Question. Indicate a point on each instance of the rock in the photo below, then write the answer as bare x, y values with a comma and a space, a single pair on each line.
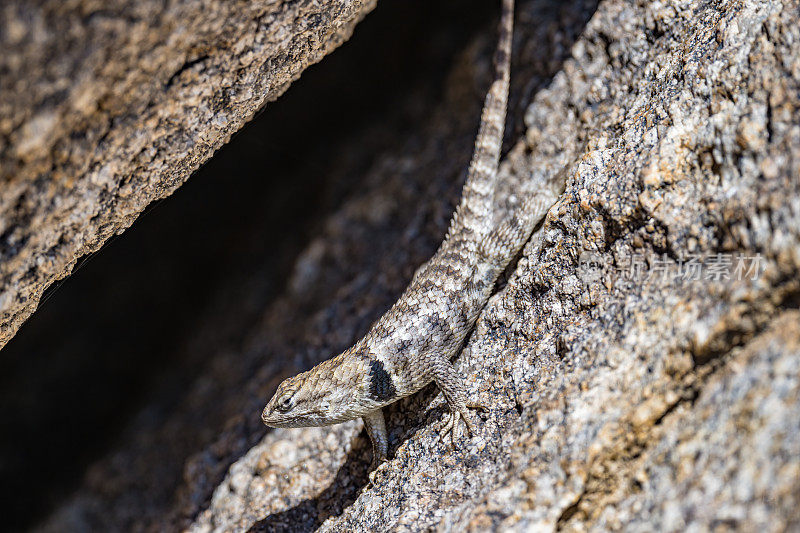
640, 397
104, 109
641, 360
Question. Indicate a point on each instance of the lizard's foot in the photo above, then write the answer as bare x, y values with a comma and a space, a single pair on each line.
451, 426
376, 463
452, 387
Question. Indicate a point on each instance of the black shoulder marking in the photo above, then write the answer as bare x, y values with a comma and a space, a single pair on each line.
381, 387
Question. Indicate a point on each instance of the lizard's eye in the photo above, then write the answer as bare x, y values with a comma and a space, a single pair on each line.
285, 402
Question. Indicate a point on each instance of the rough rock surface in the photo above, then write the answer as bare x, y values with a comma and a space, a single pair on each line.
105, 108
622, 397
636, 379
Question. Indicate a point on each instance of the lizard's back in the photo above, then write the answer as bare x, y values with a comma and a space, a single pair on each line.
438, 309
434, 315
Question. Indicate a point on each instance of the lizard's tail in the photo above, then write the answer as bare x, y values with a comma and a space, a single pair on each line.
506, 240
474, 212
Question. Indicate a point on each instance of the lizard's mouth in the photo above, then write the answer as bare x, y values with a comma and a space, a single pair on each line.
275, 419
265, 416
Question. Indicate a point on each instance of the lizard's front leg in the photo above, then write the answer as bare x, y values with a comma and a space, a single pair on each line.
376, 429
452, 386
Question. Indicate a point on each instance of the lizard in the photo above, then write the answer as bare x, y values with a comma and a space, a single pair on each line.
413, 343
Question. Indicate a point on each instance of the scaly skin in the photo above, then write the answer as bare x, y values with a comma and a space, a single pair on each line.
413, 343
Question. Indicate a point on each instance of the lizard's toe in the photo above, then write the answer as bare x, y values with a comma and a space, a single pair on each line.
477, 405
448, 428
375, 465
470, 426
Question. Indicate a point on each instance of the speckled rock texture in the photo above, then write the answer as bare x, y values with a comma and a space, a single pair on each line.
621, 397
108, 106
637, 379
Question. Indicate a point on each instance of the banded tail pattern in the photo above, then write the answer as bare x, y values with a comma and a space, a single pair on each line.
474, 212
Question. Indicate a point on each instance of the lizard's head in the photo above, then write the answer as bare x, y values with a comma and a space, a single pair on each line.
295, 404
313, 398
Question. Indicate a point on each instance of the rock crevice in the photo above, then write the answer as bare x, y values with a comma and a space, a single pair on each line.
642, 373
